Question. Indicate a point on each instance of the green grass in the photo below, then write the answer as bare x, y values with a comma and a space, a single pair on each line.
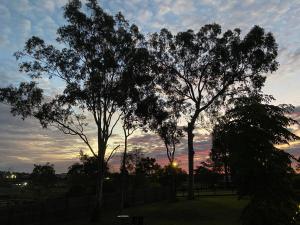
205, 211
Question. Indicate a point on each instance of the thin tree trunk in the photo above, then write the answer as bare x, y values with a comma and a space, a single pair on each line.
123, 175
191, 161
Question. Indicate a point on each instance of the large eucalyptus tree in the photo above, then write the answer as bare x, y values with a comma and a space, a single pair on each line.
200, 69
98, 58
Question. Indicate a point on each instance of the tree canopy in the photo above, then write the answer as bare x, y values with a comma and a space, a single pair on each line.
248, 136
102, 61
197, 71
43, 175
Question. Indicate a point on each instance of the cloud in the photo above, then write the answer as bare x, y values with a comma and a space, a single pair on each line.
48, 5
26, 142
21, 6
25, 29
145, 16
5, 17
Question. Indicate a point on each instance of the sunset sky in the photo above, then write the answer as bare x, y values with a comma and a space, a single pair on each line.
23, 143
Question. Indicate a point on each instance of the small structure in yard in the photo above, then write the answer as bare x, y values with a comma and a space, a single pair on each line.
125, 220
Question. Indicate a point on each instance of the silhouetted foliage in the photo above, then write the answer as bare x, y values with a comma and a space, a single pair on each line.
170, 133
100, 58
132, 159
43, 175
142, 170
165, 124
83, 176
249, 134
171, 175
296, 183
205, 174
130, 124
198, 70
147, 166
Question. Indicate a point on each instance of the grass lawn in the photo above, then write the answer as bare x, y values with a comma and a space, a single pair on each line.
205, 211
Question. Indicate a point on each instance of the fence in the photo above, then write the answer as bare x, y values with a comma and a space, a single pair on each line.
202, 190
65, 209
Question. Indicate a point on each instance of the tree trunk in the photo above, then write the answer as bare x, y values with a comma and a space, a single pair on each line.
191, 160
99, 184
99, 193
123, 175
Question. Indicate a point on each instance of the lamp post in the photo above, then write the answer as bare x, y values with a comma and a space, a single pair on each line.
174, 166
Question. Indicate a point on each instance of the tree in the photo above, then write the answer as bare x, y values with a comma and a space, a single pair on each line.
86, 171
140, 168
198, 70
165, 122
147, 166
130, 124
250, 132
132, 159
137, 102
171, 176
206, 174
43, 175
170, 133
98, 54
220, 156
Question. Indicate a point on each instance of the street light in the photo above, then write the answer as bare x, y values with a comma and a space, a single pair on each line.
174, 164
